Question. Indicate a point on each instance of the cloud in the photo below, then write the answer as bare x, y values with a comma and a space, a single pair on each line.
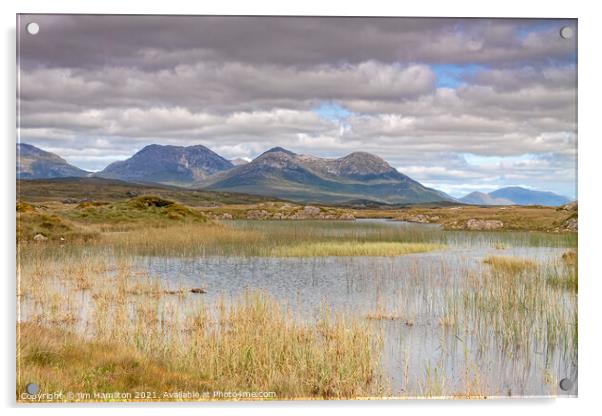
226, 86
154, 42
420, 93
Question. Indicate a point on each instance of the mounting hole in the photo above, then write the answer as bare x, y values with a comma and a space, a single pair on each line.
566, 32
32, 388
33, 28
566, 384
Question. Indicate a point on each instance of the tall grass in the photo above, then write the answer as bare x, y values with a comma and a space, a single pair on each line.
122, 331
519, 302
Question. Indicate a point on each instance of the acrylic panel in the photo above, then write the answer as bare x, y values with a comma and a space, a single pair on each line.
283, 208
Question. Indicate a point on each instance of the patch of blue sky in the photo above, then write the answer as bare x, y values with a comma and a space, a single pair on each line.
332, 111
524, 30
572, 57
454, 75
552, 26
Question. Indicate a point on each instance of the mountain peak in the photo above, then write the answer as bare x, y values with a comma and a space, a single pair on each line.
155, 146
481, 198
513, 188
477, 194
182, 165
279, 149
363, 163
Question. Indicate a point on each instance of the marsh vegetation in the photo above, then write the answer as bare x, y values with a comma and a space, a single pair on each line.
321, 309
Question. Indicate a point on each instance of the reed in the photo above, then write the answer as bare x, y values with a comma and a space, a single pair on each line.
347, 249
518, 300
123, 331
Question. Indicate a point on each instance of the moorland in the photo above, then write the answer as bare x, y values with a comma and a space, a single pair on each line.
139, 287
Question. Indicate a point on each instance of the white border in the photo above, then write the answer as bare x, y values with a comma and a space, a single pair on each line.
590, 154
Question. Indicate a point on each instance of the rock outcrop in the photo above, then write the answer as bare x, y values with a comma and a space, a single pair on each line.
291, 212
483, 225
40, 238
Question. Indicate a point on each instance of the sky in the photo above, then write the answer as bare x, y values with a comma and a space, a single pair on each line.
460, 105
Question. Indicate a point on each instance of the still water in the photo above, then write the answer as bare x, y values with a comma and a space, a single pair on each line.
403, 299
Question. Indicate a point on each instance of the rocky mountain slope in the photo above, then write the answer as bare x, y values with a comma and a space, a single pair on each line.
175, 165
35, 163
284, 174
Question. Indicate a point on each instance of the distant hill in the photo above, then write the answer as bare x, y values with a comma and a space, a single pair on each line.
35, 163
522, 196
175, 165
357, 176
480, 198
515, 195
76, 190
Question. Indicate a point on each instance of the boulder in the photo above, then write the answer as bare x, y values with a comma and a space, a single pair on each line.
40, 237
571, 206
571, 224
226, 216
299, 215
257, 214
311, 211
347, 216
483, 225
423, 219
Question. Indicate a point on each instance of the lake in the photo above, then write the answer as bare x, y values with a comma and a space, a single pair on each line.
406, 299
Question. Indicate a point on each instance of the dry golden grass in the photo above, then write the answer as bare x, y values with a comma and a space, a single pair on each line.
565, 276
353, 249
570, 257
32, 221
122, 331
183, 239
57, 360
509, 265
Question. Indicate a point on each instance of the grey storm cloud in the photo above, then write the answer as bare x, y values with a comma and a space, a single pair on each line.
152, 42
95, 89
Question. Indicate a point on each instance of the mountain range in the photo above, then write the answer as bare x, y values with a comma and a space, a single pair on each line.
284, 174
523, 196
277, 172
515, 195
